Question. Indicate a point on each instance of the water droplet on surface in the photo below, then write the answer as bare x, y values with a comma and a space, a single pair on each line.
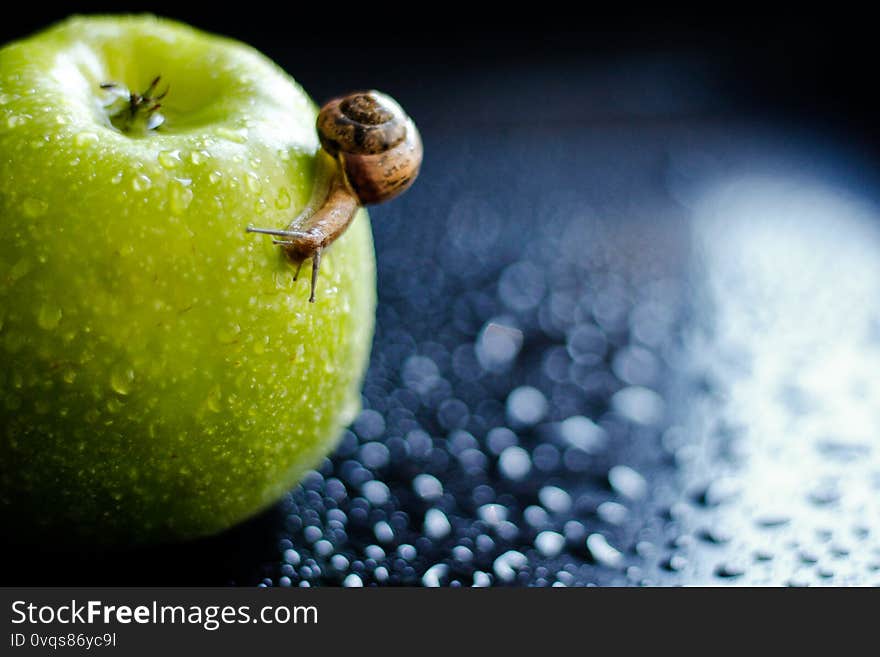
33, 208
141, 183
253, 183
169, 159
213, 400
49, 317
434, 575
555, 499
627, 482
639, 405
612, 513
383, 531
514, 463
428, 487
16, 120
729, 570
602, 552
239, 136
507, 565
549, 543
436, 524
121, 380
675, 563
720, 491
498, 345
526, 405
228, 334
376, 492
282, 201
180, 195
84, 139
492, 514
583, 433
353, 581
481, 579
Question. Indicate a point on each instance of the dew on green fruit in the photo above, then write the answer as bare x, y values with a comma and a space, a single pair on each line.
282, 201
238, 136
214, 399
141, 182
283, 280
19, 269
121, 380
229, 334
253, 183
180, 195
34, 207
84, 139
147, 228
16, 120
48, 317
169, 159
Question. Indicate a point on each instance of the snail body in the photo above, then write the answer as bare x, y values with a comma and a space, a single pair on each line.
371, 152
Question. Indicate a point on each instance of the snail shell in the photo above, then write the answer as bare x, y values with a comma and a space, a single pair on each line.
376, 144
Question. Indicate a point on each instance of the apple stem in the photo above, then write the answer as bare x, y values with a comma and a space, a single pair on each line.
140, 112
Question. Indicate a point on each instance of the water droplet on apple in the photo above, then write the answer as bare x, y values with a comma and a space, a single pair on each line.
238, 136
16, 120
4, 98
212, 401
68, 375
117, 178
121, 379
253, 183
19, 269
180, 195
34, 207
229, 334
84, 139
169, 159
283, 200
283, 280
214, 177
48, 317
141, 183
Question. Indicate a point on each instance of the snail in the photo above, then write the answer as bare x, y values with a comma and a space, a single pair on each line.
370, 152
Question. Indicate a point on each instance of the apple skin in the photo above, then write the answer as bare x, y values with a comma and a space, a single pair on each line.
163, 376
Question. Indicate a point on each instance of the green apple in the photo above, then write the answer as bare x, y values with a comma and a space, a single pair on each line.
163, 376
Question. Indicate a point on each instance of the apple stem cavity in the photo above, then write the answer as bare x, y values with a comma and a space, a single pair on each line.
133, 113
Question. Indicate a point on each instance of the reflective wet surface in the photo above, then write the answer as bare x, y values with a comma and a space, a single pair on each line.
627, 339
